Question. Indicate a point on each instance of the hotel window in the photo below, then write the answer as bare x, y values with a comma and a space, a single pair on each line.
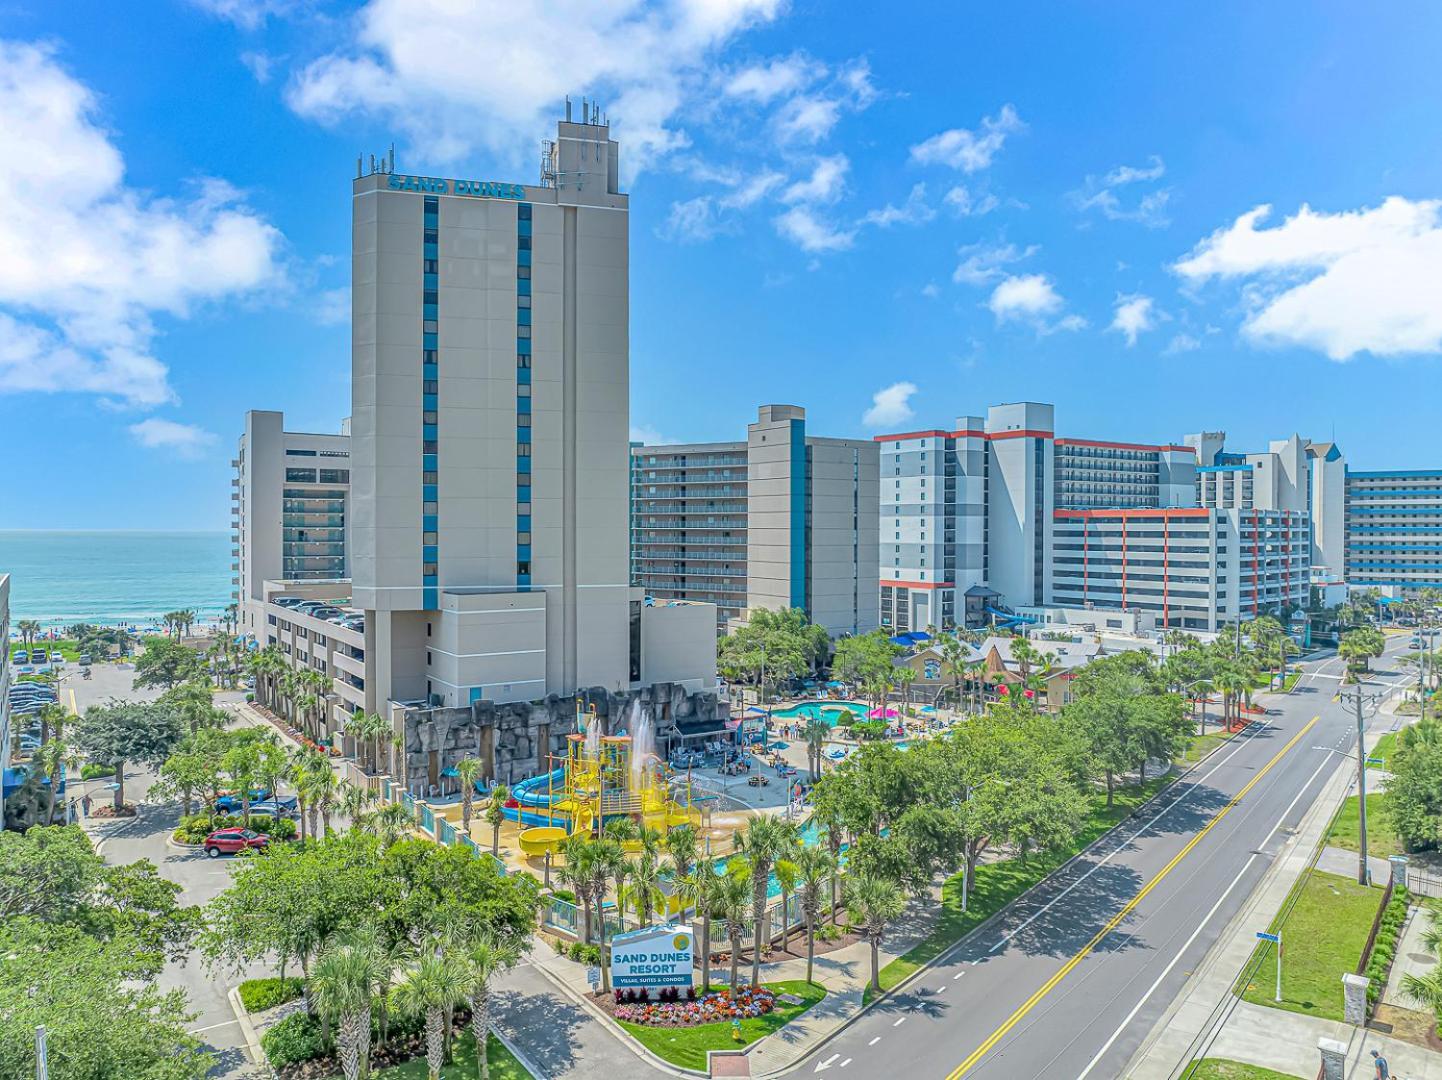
523, 567
523, 390
523, 243
429, 326
523, 449
522, 330
429, 478
429, 446
432, 236
523, 212
430, 386
430, 356
428, 508
430, 296
523, 509
428, 538
430, 266
523, 301
523, 361
428, 416
523, 273
523, 538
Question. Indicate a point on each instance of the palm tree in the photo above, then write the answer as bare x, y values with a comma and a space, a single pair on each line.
392, 822
698, 890
816, 732
298, 766
644, 889
731, 903
342, 985
432, 987
761, 844
483, 957
814, 866
828, 817
681, 849
875, 902
576, 876
324, 787
468, 771
785, 873
495, 814
608, 864
29, 630
352, 801
50, 760
1425, 990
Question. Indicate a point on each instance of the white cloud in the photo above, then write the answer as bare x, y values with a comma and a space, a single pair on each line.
333, 307
891, 405
914, 211
1135, 314
981, 265
826, 183
967, 150
1033, 299
186, 440
1182, 343
249, 14
753, 190
960, 202
807, 118
89, 262
692, 221
456, 78
260, 65
930, 290
1101, 195
779, 77
810, 233
1355, 281
645, 433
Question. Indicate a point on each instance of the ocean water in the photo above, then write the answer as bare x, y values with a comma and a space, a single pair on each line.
61, 578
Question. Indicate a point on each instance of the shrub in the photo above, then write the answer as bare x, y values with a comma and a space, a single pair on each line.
196, 827
585, 954
257, 995
295, 1039
565, 894
94, 771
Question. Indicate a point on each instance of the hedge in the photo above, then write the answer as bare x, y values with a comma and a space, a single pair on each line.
195, 828
1384, 949
295, 1039
94, 771
257, 995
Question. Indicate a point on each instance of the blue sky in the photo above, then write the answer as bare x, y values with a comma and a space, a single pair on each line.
1160, 217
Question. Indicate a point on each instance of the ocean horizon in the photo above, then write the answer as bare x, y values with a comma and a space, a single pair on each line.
114, 576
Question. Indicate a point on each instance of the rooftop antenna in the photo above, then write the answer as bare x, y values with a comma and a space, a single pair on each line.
359, 167
391, 164
568, 108
373, 163
585, 110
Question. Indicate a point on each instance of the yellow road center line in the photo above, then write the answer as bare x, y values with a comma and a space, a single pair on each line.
1047, 987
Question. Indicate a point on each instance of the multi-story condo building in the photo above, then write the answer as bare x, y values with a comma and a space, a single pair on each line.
1394, 530
4, 687
490, 453
1195, 567
290, 500
783, 519
966, 514
1293, 474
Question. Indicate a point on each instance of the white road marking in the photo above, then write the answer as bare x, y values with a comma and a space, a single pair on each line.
212, 1027
846, 1063
822, 1066
1241, 742
941, 989
900, 1020
1206, 919
874, 1041
958, 975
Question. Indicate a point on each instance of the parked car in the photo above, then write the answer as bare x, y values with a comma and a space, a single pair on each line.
229, 801
233, 841
21, 656
85, 659
283, 807
39, 656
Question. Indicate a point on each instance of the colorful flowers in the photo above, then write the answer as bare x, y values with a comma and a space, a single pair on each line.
740, 1004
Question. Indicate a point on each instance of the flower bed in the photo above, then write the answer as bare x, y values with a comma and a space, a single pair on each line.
743, 1003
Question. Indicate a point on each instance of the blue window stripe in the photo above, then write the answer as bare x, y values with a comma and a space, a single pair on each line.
428, 401
523, 376
428, 432
523, 489
428, 462
430, 281
523, 522
429, 341
428, 492
523, 551
523, 465
428, 553
428, 522
523, 258
523, 346
523, 316
430, 599
430, 311
430, 251
430, 371
523, 227
523, 406
523, 287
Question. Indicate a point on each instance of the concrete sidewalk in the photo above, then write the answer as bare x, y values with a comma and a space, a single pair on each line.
1206, 1019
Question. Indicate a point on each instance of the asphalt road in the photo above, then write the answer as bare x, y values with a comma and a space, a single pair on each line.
1069, 982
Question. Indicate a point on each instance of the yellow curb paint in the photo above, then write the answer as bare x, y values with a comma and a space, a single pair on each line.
1115, 921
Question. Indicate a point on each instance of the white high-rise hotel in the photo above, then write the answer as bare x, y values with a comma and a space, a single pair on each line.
489, 439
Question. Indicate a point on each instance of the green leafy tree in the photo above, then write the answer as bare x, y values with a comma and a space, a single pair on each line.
167, 663
118, 732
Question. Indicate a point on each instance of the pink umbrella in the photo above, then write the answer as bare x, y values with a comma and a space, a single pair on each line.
883, 714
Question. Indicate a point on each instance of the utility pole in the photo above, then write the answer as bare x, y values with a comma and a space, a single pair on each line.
1362, 876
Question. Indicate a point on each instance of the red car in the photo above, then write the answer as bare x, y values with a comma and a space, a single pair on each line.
234, 840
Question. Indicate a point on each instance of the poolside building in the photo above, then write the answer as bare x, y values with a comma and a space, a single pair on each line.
781, 519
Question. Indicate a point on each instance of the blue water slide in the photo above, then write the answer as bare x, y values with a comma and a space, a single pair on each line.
538, 790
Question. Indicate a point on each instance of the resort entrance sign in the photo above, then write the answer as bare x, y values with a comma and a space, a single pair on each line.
656, 957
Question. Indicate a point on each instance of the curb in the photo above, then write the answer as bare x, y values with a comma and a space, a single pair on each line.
955, 945
247, 1029
519, 1054
616, 1029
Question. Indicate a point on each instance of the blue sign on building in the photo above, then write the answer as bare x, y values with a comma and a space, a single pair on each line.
477, 189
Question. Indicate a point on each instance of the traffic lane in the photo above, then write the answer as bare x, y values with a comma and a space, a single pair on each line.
983, 983
1111, 1000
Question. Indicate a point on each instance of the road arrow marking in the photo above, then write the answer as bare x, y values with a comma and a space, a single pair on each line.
822, 1066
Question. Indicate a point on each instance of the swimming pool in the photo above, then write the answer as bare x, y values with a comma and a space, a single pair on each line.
810, 834
829, 711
